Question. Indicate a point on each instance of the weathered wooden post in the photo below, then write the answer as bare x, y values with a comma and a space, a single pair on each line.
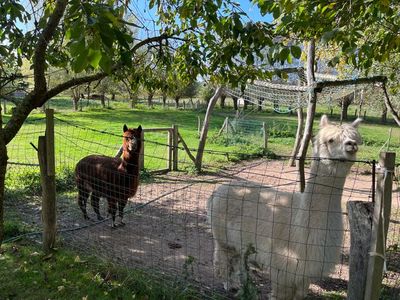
47, 178
380, 225
170, 148
265, 136
141, 155
175, 147
360, 219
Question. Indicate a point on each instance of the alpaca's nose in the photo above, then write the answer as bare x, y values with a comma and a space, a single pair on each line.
351, 146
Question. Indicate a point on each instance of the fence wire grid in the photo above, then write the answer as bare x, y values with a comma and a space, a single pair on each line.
167, 233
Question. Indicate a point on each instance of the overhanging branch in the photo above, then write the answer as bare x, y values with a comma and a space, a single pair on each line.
39, 61
69, 84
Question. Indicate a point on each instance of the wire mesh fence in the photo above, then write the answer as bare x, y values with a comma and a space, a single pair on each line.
167, 233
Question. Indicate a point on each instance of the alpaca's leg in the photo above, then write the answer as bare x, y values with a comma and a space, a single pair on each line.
226, 266
121, 206
302, 286
95, 201
283, 285
112, 210
83, 195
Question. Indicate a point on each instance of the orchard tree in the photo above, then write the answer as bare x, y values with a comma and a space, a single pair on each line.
365, 33
93, 39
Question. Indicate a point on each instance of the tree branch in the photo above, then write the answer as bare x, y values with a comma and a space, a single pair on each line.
389, 105
69, 84
39, 61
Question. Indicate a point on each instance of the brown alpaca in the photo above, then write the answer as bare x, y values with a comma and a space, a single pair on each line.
114, 178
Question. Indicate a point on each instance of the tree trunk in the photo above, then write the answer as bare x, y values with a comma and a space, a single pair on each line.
88, 91
204, 131
222, 98
5, 105
177, 101
299, 136
346, 101
260, 102
235, 103
343, 112
164, 100
112, 96
384, 115
75, 102
150, 100
3, 169
103, 100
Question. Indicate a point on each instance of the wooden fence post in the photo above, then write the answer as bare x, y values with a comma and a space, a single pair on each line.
50, 142
265, 136
47, 177
360, 220
175, 147
380, 224
141, 155
170, 150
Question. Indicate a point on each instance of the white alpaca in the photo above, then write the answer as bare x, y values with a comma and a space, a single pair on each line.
297, 237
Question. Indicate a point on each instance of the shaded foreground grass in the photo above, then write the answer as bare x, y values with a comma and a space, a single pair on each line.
27, 273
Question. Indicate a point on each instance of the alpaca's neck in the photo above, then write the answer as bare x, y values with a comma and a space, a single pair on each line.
320, 205
320, 216
130, 162
327, 179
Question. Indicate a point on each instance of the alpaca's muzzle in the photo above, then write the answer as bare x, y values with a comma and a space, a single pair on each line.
351, 146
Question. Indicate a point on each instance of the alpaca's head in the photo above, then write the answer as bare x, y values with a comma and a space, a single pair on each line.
132, 139
337, 141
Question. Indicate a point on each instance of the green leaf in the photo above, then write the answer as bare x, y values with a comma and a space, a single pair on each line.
80, 63
105, 63
77, 47
94, 57
296, 51
283, 54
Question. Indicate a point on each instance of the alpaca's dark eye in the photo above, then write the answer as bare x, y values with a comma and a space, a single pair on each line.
330, 141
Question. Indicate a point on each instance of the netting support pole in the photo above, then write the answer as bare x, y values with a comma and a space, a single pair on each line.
312, 103
204, 131
380, 225
175, 147
265, 136
47, 178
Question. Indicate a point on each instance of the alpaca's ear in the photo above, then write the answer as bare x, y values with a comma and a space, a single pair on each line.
324, 121
139, 128
356, 122
125, 128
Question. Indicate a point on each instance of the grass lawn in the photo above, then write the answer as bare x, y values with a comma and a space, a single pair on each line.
27, 273
281, 128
